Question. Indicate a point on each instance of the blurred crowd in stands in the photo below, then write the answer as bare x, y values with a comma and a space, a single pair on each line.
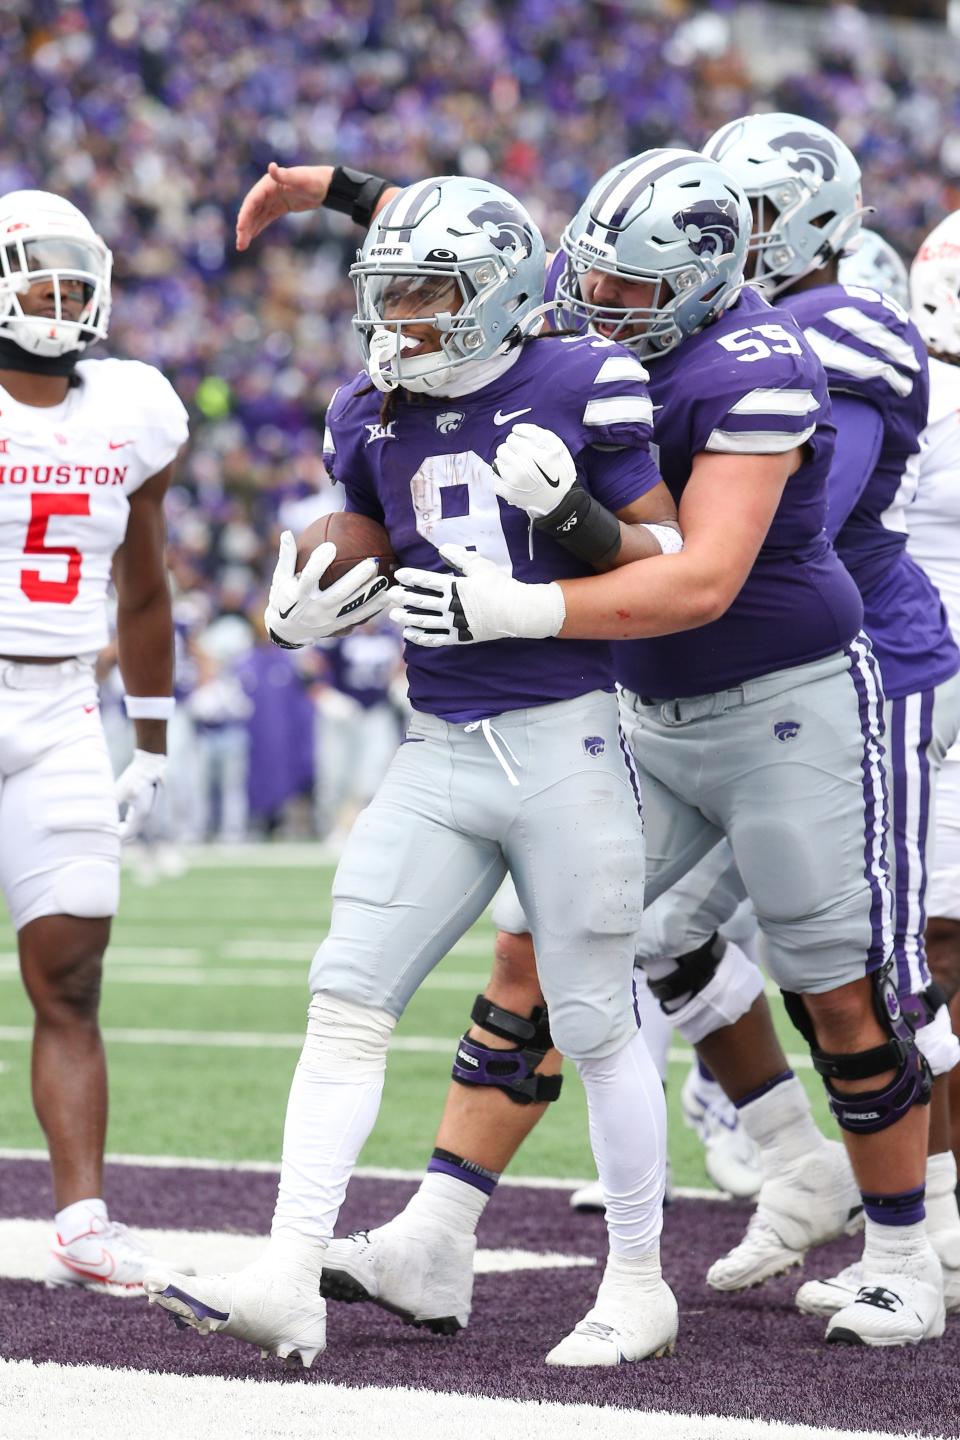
155, 117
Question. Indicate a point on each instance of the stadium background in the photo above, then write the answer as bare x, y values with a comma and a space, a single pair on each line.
155, 116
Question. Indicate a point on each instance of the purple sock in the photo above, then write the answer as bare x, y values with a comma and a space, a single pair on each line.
763, 1089
445, 1162
906, 1208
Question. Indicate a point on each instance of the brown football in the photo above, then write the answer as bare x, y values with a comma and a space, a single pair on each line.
356, 538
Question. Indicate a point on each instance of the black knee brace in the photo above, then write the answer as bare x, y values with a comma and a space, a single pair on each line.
919, 1010
694, 970
511, 1071
870, 1110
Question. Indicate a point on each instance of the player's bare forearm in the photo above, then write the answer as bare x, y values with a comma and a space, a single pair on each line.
145, 657
637, 543
144, 612
287, 190
664, 594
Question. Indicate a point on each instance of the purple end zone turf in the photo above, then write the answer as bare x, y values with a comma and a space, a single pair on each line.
748, 1355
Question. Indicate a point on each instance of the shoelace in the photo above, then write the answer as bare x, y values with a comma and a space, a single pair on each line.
494, 739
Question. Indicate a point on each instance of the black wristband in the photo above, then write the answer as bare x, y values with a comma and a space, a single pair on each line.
584, 527
354, 193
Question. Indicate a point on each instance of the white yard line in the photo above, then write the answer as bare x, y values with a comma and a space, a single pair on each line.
267, 1040
24, 1245
90, 1402
363, 1172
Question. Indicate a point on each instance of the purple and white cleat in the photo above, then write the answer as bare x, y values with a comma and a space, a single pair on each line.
278, 1309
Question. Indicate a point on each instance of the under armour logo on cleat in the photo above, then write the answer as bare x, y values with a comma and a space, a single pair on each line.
879, 1298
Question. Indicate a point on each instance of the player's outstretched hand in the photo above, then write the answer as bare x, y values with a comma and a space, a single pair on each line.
137, 788
298, 612
478, 603
533, 470
284, 190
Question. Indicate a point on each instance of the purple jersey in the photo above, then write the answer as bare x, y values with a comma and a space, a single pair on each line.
362, 665
426, 475
873, 352
749, 384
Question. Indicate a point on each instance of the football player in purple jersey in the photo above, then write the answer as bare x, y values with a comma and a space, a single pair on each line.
804, 186
743, 387
514, 759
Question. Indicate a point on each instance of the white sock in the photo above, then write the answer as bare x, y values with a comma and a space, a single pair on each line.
940, 1201
781, 1123
640, 1272
657, 1030
334, 1099
78, 1218
444, 1203
893, 1247
628, 1133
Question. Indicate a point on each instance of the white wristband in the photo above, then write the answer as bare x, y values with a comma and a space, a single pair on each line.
149, 707
669, 540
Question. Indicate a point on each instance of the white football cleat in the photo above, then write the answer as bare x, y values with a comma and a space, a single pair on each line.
809, 1202
425, 1279
634, 1318
282, 1313
589, 1198
893, 1307
731, 1158
826, 1297
106, 1254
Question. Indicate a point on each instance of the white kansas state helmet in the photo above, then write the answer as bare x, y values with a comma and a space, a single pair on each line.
804, 184
668, 219
459, 256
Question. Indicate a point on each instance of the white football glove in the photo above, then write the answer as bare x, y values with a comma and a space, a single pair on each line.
533, 470
481, 603
298, 612
137, 789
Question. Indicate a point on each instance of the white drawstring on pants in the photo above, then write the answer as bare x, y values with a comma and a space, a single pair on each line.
492, 738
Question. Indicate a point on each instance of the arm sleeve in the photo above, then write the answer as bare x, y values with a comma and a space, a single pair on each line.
859, 437
618, 477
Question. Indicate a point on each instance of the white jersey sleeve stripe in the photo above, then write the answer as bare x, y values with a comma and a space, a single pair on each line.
756, 442
621, 367
776, 402
329, 448
872, 333
835, 356
619, 410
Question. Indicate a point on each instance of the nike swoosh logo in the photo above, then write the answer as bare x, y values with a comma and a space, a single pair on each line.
501, 419
118, 444
554, 484
284, 613
101, 1269
89, 709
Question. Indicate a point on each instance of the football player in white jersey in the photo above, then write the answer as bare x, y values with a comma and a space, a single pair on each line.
934, 542
86, 454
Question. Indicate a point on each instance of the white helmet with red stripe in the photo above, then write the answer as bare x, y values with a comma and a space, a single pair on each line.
44, 240
935, 287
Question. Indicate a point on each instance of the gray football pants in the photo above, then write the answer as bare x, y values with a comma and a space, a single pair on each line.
427, 855
788, 768
920, 728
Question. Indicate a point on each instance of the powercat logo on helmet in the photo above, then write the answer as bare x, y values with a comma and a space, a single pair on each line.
711, 228
812, 154
505, 225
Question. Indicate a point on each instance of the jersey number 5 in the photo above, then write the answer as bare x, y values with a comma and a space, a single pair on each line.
42, 510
